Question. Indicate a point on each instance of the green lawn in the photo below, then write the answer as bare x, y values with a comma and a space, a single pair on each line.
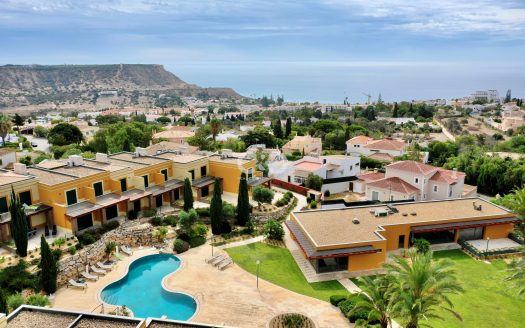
279, 267
487, 301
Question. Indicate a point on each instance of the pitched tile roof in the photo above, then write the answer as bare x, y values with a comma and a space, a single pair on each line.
360, 140
382, 157
412, 166
386, 144
371, 176
394, 184
447, 176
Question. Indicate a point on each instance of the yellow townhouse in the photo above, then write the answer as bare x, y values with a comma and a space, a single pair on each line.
26, 189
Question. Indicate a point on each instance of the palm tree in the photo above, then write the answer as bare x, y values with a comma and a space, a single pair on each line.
5, 126
517, 275
376, 301
421, 287
215, 126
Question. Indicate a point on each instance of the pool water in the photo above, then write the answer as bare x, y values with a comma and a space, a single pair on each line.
141, 290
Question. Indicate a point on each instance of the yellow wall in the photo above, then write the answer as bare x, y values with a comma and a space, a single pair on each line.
498, 231
181, 170
30, 185
230, 173
366, 261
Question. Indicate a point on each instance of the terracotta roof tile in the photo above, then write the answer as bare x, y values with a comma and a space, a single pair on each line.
371, 176
412, 166
386, 144
394, 184
360, 140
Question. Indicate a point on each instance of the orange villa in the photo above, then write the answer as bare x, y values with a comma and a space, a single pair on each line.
358, 239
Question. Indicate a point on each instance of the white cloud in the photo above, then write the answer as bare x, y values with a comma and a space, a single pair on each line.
442, 16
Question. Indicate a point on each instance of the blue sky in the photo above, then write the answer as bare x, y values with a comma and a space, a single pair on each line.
307, 50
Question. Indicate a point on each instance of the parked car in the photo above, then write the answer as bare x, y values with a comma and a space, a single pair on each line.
34, 144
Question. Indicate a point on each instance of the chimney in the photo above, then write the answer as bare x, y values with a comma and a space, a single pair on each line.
101, 157
454, 173
139, 151
20, 168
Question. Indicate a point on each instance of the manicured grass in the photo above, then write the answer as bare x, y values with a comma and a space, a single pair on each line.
279, 267
488, 301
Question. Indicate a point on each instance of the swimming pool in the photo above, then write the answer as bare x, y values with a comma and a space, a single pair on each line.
141, 290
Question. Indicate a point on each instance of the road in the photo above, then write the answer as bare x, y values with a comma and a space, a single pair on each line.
42, 143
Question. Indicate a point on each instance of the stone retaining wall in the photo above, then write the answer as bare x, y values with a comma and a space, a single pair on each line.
131, 233
265, 216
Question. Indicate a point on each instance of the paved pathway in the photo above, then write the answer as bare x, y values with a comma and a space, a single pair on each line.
242, 242
349, 285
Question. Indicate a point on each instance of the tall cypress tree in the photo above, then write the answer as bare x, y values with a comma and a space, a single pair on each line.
395, 111
216, 209
48, 267
19, 226
288, 127
188, 195
277, 129
243, 202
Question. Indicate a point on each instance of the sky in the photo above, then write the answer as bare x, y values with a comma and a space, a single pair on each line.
305, 50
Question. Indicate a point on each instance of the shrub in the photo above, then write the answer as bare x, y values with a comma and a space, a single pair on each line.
203, 211
346, 306
14, 301
228, 210
149, 213
313, 204
132, 215
197, 241
422, 245
111, 225
59, 242
86, 238
156, 220
171, 220
226, 227
180, 246
273, 230
199, 230
57, 253
72, 250
336, 299
37, 300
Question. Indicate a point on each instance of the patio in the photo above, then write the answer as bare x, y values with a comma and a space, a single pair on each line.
483, 245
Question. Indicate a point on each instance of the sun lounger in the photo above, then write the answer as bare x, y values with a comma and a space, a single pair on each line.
98, 271
89, 276
225, 264
217, 260
126, 250
105, 266
209, 259
76, 284
217, 264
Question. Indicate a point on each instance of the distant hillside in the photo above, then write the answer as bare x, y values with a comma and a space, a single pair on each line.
71, 86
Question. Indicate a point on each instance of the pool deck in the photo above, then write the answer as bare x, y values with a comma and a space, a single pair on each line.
228, 297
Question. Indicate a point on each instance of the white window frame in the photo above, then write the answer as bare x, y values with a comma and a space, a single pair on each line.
102, 182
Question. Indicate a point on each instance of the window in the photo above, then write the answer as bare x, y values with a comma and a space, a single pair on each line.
146, 181
416, 180
375, 195
449, 191
3, 205
71, 197
203, 171
99, 190
391, 198
123, 184
192, 172
424, 196
435, 188
250, 174
25, 197
165, 173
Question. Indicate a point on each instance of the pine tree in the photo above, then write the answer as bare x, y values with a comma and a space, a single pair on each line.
243, 202
48, 267
277, 129
395, 111
19, 226
188, 195
216, 209
288, 127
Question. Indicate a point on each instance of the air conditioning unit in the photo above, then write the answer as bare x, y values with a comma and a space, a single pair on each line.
76, 160
20, 168
139, 151
101, 157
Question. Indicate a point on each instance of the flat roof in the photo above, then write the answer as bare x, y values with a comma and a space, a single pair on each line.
180, 158
136, 159
335, 227
49, 177
107, 166
229, 159
9, 177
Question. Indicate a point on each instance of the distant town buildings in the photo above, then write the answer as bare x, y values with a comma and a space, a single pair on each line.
383, 150
303, 144
489, 96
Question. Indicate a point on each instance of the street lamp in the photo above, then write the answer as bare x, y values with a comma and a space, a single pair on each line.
212, 241
488, 239
258, 262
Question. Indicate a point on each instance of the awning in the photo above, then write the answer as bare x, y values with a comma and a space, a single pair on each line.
80, 209
37, 209
203, 182
136, 194
463, 224
312, 253
168, 186
110, 199
258, 181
